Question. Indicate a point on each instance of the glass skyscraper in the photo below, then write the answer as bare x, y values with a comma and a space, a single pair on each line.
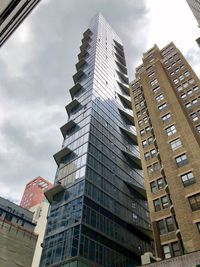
98, 214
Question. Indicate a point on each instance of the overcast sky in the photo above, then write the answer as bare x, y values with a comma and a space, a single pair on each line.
37, 64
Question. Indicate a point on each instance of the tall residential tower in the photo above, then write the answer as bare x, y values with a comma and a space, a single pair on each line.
98, 214
165, 97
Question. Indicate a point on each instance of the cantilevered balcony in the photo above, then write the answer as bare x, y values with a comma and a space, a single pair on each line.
67, 126
74, 103
80, 73
49, 194
137, 188
77, 87
130, 134
60, 154
121, 67
118, 45
82, 54
86, 38
81, 63
120, 59
87, 32
84, 46
119, 51
128, 115
132, 156
124, 87
125, 99
123, 77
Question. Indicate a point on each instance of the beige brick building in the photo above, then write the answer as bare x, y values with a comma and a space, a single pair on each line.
165, 99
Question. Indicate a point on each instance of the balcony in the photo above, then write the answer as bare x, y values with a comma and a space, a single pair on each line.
76, 77
60, 154
119, 45
119, 51
124, 87
129, 134
123, 77
125, 99
86, 38
87, 32
49, 194
77, 87
81, 63
128, 115
121, 67
67, 126
133, 157
74, 103
82, 54
120, 59
138, 189
84, 47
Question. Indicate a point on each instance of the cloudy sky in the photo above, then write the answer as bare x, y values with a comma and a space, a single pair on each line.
37, 64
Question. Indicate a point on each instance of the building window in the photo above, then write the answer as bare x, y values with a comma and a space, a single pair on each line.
169, 224
161, 227
188, 105
142, 132
198, 128
188, 178
194, 202
166, 117
161, 183
176, 81
153, 153
181, 78
176, 249
170, 130
150, 140
165, 202
166, 251
157, 205
147, 156
181, 160
154, 82
156, 90
153, 187
194, 117
162, 107
183, 96
186, 73
175, 144
140, 123
159, 98
144, 143
145, 120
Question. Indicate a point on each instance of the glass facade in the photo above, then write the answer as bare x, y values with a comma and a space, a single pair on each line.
98, 214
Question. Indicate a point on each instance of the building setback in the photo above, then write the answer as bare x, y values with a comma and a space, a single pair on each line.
98, 214
12, 13
165, 98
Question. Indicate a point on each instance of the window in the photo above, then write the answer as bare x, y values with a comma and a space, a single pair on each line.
161, 183
188, 105
150, 170
162, 107
157, 205
166, 117
140, 122
185, 85
181, 160
176, 81
147, 129
194, 101
186, 73
169, 224
145, 120
175, 144
142, 132
161, 227
183, 96
154, 82
170, 130
153, 187
144, 143
188, 179
153, 153
156, 166
147, 156
194, 202
176, 249
189, 92
179, 89
159, 98
150, 140
191, 81
194, 117
198, 128
166, 251
156, 90
181, 78
165, 202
